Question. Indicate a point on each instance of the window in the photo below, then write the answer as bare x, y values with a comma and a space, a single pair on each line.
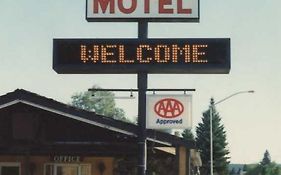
9, 169
67, 169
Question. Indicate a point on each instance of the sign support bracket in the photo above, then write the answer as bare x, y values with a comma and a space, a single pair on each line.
136, 90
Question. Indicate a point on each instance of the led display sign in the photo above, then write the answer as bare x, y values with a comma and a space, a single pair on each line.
125, 56
151, 10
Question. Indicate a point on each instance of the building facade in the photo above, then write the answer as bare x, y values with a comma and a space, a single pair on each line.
40, 136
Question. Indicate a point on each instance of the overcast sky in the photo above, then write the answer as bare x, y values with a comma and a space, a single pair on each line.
252, 121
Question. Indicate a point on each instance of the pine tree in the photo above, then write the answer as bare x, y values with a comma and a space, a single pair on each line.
245, 168
220, 152
188, 135
266, 158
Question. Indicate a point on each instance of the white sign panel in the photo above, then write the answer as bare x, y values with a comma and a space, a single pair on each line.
168, 111
133, 10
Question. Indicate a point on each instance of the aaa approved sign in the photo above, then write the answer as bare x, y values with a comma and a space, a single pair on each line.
168, 111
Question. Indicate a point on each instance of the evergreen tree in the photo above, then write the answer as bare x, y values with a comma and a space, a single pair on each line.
266, 158
188, 135
245, 168
220, 152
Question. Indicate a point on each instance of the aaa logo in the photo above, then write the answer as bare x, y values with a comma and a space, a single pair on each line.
168, 108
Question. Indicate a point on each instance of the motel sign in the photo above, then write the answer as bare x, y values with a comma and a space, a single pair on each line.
133, 10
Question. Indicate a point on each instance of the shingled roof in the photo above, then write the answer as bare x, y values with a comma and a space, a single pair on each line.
48, 104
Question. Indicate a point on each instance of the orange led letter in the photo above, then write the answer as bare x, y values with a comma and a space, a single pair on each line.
196, 53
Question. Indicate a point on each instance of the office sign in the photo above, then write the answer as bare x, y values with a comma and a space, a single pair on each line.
66, 158
168, 112
134, 10
125, 56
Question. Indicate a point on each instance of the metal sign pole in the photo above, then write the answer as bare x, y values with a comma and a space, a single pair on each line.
142, 88
142, 148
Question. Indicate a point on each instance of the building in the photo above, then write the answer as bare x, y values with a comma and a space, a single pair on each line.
40, 136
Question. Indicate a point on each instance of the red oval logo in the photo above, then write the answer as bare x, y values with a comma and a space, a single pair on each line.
168, 108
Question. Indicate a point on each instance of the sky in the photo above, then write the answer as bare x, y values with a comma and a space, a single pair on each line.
252, 121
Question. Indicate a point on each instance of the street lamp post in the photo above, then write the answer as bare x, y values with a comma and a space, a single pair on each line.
211, 126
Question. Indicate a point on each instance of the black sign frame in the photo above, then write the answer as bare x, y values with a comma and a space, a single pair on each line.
66, 57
